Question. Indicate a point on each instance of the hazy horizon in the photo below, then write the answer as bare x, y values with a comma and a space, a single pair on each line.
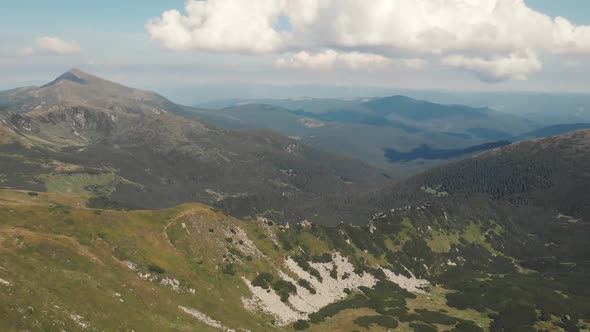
194, 94
164, 47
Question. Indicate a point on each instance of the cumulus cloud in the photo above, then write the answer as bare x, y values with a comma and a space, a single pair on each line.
571, 39
496, 39
57, 45
416, 64
220, 26
515, 66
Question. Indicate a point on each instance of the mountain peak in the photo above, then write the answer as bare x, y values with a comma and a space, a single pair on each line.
73, 75
83, 75
78, 87
79, 77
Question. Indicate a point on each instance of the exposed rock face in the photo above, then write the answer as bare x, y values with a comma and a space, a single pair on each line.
328, 290
411, 284
269, 302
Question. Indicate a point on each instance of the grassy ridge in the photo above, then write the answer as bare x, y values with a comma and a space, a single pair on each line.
63, 262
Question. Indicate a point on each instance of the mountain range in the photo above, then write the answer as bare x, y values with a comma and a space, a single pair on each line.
369, 129
134, 150
120, 210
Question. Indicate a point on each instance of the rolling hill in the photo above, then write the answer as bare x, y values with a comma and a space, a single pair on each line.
400, 110
366, 128
361, 141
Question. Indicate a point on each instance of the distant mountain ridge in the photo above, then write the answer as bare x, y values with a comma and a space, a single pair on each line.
370, 129
552, 130
420, 109
427, 153
363, 128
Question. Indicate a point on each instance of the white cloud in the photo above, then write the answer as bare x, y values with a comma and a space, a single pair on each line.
571, 39
57, 45
416, 64
496, 39
515, 66
27, 51
331, 59
220, 26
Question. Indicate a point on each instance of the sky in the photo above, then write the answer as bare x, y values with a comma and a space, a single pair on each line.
232, 48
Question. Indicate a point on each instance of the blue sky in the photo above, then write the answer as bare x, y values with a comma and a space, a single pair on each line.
130, 15
66, 15
114, 42
577, 11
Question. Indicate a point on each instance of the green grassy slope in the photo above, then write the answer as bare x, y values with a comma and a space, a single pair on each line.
68, 268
